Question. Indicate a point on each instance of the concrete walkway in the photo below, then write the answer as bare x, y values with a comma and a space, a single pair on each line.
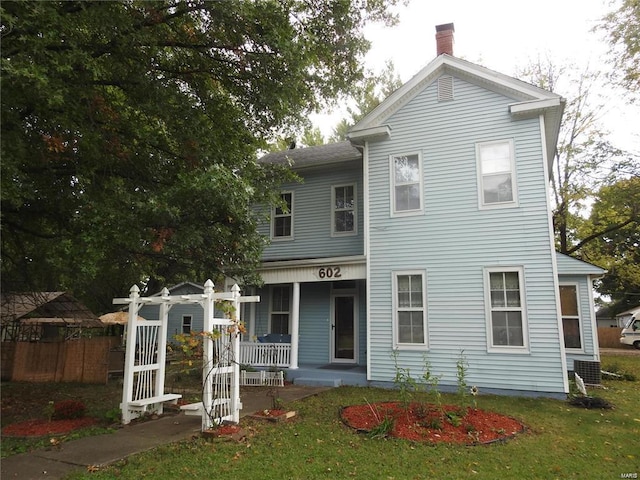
57, 462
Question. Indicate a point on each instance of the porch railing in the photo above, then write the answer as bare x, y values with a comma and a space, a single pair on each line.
265, 354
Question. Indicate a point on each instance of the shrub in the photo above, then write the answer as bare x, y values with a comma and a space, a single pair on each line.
67, 409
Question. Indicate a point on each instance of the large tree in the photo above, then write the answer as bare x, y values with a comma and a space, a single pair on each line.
129, 131
594, 184
369, 93
585, 158
611, 239
622, 29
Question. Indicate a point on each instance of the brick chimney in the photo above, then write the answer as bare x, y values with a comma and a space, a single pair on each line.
444, 39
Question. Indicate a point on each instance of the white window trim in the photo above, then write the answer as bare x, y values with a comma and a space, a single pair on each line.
392, 182
523, 309
514, 183
279, 312
394, 305
580, 317
273, 220
334, 209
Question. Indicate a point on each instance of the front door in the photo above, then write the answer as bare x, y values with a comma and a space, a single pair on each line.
343, 329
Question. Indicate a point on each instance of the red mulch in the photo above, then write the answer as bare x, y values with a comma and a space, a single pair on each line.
426, 423
40, 427
227, 430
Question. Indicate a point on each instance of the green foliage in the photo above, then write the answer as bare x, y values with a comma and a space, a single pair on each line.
370, 92
613, 230
594, 184
613, 371
403, 381
453, 418
622, 27
563, 442
461, 374
383, 428
431, 382
113, 415
130, 131
49, 410
384, 423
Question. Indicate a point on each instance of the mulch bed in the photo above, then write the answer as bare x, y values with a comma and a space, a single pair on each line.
427, 423
41, 427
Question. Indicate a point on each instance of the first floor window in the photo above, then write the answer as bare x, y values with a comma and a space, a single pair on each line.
506, 311
280, 309
570, 316
282, 218
186, 324
497, 173
410, 312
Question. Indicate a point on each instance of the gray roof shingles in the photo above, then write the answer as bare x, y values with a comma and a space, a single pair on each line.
318, 155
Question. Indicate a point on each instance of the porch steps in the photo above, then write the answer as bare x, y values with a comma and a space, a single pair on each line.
318, 382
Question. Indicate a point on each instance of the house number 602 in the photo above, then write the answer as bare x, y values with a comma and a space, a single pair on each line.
329, 272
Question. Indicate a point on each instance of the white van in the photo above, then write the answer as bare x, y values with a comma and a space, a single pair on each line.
630, 334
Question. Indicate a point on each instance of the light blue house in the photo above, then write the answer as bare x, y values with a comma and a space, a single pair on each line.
429, 233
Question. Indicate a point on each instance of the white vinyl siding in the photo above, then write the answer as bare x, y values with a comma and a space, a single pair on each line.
506, 314
282, 219
344, 210
406, 184
280, 314
497, 177
571, 322
409, 308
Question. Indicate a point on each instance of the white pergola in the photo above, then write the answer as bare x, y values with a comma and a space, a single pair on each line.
145, 358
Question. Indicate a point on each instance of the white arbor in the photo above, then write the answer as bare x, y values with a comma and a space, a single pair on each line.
145, 359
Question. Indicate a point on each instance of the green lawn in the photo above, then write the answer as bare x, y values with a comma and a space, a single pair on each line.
561, 442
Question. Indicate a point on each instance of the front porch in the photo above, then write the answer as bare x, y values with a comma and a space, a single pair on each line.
278, 356
330, 375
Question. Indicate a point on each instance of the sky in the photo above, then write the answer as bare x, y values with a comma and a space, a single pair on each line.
502, 35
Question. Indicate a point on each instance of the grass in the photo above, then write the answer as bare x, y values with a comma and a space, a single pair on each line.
562, 442
25, 401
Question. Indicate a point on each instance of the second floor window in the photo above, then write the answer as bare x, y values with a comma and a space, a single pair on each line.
406, 176
344, 210
497, 174
282, 218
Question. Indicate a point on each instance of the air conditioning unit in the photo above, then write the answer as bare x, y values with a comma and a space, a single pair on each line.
589, 371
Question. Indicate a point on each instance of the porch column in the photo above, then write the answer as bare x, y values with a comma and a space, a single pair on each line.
295, 325
252, 318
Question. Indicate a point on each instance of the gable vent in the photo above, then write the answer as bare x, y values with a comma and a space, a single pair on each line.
445, 88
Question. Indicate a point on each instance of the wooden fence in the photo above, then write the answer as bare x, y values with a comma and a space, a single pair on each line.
609, 337
84, 360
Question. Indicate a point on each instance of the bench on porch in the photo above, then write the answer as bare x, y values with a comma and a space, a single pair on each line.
274, 338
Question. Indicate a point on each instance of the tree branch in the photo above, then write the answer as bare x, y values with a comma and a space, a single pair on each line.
595, 235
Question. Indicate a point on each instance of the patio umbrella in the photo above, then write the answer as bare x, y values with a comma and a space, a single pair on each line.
117, 318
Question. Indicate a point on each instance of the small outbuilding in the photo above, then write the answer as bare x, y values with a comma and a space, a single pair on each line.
51, 337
